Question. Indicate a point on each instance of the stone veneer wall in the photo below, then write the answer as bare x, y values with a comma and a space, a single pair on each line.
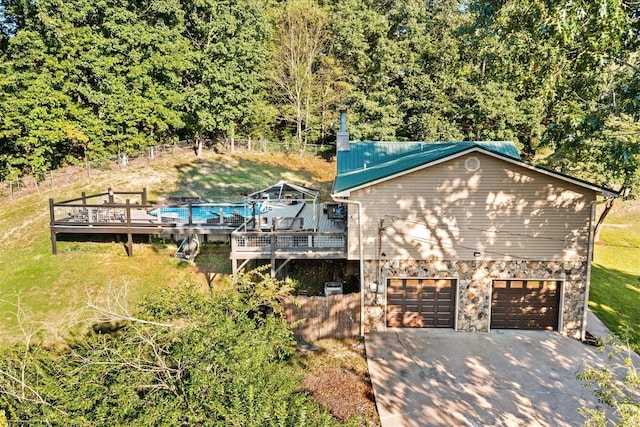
474, 288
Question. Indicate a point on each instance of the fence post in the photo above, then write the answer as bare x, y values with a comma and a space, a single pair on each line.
273, 255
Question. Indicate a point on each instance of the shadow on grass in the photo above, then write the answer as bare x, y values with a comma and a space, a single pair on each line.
213, 262
230, 178
615, 297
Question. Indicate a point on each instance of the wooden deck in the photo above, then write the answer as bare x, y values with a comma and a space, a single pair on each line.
317, 236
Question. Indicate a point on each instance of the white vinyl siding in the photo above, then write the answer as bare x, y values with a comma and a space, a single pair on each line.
501, 210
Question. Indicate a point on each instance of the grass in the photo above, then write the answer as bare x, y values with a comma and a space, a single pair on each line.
49, 287
615, 281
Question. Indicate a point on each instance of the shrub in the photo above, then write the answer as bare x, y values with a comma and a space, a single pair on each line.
186, 358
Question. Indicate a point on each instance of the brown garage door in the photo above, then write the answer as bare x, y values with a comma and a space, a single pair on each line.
421, 303
525, 304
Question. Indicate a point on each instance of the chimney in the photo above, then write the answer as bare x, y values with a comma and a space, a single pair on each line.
342, 137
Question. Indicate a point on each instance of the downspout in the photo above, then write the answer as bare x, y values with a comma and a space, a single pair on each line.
590, 249
361, 255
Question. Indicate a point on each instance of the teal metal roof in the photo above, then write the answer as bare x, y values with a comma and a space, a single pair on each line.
370, 161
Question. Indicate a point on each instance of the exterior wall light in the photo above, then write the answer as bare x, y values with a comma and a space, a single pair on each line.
373, 287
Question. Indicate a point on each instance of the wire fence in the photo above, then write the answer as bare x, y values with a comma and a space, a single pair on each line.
27, 185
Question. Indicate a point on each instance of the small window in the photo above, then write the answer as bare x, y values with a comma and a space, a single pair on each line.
472, 164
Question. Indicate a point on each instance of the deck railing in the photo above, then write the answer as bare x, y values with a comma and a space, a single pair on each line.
109, 208
253, 242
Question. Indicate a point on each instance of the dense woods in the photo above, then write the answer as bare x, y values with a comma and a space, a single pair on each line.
87, 79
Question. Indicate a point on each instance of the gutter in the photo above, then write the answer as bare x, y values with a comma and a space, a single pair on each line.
361, 254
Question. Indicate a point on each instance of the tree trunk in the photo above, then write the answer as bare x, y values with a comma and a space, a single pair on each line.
232, 139
199, 144
607, 207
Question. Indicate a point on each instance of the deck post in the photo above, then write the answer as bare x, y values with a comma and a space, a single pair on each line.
144, 196
110, 193
129, 235
273, 255
190, 214
54, 243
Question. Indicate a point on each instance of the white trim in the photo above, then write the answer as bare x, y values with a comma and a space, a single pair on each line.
456, 307
604, 192
561, 308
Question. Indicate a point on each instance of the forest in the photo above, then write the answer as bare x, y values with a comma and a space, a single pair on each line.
82, 80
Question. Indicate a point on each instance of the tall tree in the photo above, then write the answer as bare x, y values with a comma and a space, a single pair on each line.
225, 88
299, 43
557, 57
359, 40
99, 77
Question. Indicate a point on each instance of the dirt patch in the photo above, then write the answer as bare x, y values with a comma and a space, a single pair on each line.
339, 380
344, 393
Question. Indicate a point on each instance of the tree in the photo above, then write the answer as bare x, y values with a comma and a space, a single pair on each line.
225, 88
359, 41
558, 58
616, 386
88, 77
185, 357
299, 42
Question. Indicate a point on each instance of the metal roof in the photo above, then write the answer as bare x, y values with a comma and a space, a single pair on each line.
283, 187
369, 161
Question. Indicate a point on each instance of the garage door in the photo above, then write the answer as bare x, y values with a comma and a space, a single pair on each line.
525, 304
421, 303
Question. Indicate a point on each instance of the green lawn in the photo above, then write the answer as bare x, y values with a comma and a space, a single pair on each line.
615, 282
50, 288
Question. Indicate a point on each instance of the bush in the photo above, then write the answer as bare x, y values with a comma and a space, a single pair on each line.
616, 386
187, 358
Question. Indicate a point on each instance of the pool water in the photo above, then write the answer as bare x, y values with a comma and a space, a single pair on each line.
202, 212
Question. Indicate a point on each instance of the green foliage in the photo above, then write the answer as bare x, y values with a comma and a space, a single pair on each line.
225, 88
300, 40
616, 386
187, 358
559, 59
89, 79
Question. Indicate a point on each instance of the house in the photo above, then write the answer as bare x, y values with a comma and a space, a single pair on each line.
466, 236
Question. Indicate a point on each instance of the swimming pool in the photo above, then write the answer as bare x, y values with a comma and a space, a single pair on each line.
208, 212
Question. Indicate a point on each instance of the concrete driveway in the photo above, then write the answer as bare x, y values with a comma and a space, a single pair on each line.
438, 377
